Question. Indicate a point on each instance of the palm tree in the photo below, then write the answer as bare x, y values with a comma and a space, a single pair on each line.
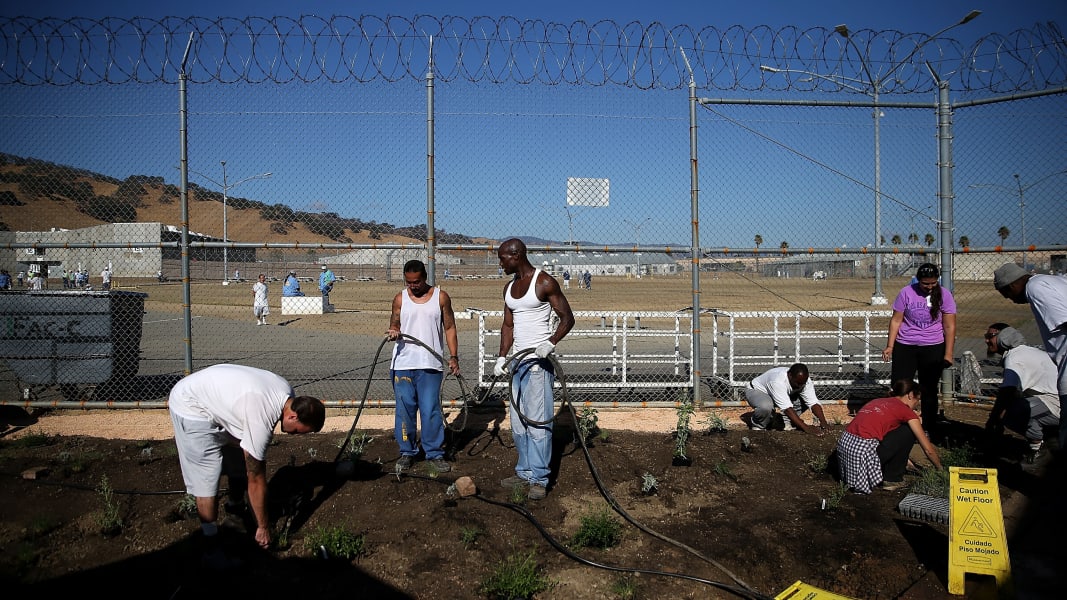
930, 239
759, 242
895, 240
913, 238
785, 245
965, 241
1003, 233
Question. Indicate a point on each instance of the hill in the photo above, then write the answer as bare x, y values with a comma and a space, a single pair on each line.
37, 195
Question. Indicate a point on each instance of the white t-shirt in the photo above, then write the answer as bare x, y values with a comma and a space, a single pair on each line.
245, 401
260, 290
775, 383
1034, 373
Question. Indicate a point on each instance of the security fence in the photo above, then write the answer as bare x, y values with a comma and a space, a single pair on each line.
184, 157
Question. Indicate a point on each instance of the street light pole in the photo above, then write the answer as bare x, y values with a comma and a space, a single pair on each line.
226, 187
1019, 190
637, 237
876, 85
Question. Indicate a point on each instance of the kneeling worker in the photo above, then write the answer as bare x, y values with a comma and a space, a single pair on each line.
790, 390
875, 446
1027, 401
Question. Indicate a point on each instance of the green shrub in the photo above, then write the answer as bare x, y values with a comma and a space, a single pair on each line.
625, 588
469, 536
649, 485
598, 530
715, 422
336, 542
516, 577
587, 423
109, 520
836, 495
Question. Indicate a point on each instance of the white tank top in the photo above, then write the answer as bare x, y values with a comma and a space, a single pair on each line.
530, 316
424, 323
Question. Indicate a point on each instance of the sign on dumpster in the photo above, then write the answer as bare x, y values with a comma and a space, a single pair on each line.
71, 337
976, 529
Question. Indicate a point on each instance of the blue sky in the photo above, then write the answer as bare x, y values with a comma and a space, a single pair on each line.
904, 15
400, 138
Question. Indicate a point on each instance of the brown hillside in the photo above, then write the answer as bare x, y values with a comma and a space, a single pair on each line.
39, 213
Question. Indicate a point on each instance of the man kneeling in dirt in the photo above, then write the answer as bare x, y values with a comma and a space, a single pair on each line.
1027, 401
790, 390
222, 408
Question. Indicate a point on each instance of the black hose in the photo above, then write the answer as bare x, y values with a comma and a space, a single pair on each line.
464, 392
607, 495
563, 549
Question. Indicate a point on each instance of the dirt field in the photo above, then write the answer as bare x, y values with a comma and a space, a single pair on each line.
737, 515
979, 303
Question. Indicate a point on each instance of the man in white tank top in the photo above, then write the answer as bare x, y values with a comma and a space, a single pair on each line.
529, 301
423, 312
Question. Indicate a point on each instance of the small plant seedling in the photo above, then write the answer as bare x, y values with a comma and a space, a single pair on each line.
598, 530
469, 536
649, 485
837, 493
715, 422
625, 588
722, 468
186, 508
517, 495
517, 576
109, 520
357, 446
818, 462
336, 542
587, 423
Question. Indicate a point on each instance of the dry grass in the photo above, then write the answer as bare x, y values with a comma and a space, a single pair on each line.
364, 305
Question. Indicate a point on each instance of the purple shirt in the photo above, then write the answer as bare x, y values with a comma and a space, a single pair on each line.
918, 329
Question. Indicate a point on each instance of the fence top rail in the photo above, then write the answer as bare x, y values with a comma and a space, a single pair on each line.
596, 314
764, 314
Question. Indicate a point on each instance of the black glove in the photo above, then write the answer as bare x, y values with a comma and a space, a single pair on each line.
945, 364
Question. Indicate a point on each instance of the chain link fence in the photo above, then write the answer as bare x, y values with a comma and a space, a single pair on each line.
359, 169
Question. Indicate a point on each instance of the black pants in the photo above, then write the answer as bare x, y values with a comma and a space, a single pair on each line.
893, 452
928, 362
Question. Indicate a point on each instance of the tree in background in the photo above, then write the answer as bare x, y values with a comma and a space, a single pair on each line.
965, 241
1003, 234
759, 242
929, 239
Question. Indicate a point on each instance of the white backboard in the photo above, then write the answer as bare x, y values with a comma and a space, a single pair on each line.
585, 191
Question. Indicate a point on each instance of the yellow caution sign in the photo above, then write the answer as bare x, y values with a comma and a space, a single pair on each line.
976, 542
803, 591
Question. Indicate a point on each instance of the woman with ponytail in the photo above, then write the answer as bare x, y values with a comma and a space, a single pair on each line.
922, 334
873, 451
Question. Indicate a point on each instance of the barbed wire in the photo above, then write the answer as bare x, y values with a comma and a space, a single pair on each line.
82, 51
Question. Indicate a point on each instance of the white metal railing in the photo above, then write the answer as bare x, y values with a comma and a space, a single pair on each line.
652, 350
610, 349
794, 336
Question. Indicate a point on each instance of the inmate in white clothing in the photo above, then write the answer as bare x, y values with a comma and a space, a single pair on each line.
246, 402
775, 383
1034, 374
424, 323
530, 315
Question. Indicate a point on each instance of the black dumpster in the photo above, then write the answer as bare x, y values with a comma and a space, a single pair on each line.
70, 338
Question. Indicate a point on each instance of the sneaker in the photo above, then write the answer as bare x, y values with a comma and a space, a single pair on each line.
514, 480
758, 428
440, 465
787, 425
892, 486
404, 462
537, 492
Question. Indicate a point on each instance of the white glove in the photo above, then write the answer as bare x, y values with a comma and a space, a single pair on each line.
544, 349
500, 368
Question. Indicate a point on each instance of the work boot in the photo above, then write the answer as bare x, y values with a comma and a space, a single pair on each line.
440, 465
513, 481
537, 492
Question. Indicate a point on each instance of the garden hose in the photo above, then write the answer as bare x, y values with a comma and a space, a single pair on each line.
464, 392
607, 495
744, 592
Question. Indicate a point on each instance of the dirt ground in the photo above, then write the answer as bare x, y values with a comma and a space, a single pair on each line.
730, 523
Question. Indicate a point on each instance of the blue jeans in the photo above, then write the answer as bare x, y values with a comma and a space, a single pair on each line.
532, 382
419, 391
